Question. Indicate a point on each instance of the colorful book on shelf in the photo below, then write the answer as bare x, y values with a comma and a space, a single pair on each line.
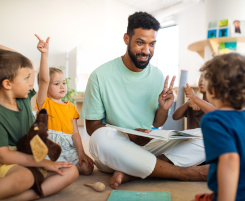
165, 135
117, 195
227, 47
212, 33
224, 23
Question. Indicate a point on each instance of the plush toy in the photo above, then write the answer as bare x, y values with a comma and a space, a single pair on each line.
37, 143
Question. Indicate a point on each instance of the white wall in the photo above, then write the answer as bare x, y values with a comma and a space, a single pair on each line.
116, 19
72, 71
105, 42
225, 9
66, 22
192, 28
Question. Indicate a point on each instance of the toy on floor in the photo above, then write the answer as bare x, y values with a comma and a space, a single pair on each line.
98, 186
37, 143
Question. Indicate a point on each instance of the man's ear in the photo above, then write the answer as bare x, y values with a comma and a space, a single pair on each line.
6, 84
126, 39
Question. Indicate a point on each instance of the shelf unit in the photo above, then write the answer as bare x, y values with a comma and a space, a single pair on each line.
213, 44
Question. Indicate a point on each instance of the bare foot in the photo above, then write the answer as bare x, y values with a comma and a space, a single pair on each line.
120, 178
116, 179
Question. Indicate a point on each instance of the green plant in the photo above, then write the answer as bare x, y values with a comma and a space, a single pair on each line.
71, 93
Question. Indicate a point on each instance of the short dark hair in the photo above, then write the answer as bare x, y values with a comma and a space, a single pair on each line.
52, 71
10, 63
141, 20
226, 74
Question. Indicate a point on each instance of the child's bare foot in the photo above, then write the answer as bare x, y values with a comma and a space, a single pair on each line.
119, 178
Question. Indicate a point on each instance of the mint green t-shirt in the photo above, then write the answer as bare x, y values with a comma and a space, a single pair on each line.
122, 97
15, 124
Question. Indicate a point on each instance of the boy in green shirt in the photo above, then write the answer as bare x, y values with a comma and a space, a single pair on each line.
16, 83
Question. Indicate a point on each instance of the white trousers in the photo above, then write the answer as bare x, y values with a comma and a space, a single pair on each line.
112, 150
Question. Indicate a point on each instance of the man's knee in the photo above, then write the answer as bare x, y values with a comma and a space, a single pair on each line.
101, 143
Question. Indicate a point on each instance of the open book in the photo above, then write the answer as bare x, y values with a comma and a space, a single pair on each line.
165, 135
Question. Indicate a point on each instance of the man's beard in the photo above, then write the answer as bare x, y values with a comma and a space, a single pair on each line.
138, 64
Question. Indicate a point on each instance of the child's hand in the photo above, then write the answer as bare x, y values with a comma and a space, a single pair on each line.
42, 46
193, 106
55, 166
84, 157
189, 92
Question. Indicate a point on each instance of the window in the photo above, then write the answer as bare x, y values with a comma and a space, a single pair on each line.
166, 52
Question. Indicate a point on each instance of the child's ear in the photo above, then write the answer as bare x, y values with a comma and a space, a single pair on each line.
6, 84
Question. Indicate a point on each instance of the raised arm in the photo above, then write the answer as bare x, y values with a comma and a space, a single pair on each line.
6, 48
165, 100
180, 112
43, 72
204, 106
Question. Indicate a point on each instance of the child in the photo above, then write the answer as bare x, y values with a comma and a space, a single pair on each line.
195, 108
223, 129
15, 119
62, 123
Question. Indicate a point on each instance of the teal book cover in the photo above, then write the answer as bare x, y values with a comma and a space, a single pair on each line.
117, 195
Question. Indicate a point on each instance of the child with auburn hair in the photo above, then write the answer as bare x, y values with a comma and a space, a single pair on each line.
62, 124
223, 129
16, 91
194, 108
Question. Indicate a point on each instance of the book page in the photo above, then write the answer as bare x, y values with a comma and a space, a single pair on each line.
134, 132
163, 134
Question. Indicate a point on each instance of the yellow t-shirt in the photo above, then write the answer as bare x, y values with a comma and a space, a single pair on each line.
61, 115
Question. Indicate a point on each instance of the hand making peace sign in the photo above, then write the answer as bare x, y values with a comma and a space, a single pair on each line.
166, 98
42, 46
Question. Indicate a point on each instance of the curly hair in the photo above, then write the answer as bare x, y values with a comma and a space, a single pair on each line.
226, 76
10, 63
141, 20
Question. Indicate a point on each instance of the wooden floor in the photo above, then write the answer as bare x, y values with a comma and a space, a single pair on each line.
180, 191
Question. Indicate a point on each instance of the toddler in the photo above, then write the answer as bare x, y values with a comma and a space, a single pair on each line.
195, 108
62, 124
223, 129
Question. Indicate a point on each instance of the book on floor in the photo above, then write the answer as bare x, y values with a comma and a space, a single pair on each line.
165, 135
117, 195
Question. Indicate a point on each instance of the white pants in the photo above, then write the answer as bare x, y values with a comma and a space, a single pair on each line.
112, 150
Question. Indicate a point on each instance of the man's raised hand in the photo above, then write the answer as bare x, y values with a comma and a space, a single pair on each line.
42, 46
166, 98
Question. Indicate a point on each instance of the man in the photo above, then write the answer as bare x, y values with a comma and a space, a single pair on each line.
130, 93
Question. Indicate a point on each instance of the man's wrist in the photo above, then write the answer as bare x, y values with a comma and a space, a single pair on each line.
163, 110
